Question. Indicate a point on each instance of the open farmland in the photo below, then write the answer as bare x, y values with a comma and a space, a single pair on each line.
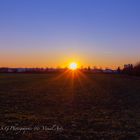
73, 105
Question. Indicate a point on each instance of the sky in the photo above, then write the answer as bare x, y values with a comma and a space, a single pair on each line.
41, 33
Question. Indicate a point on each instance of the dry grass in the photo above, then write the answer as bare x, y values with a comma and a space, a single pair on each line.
87, 106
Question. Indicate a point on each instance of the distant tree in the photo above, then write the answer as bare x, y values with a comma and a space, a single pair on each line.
118, 70
128, 69
94, 67
136, 69
89, 68
101, 68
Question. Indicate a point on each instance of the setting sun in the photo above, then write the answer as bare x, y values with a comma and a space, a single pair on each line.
73, 66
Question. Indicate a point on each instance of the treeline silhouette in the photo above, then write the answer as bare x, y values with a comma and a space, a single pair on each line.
130, 69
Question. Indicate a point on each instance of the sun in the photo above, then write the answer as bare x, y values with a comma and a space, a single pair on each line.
73, 66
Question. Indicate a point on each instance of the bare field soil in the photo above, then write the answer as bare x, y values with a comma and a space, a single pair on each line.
69, 106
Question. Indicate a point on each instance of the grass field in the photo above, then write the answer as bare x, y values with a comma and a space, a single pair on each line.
73, 105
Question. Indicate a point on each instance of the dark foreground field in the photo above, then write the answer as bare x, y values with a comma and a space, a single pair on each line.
69, 106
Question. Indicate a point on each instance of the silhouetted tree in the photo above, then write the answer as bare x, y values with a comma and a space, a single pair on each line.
128, 69
89, 68
118, 70
136, 70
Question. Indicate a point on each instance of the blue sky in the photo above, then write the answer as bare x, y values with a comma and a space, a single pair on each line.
53, 32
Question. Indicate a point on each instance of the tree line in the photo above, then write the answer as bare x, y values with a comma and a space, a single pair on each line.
130, 69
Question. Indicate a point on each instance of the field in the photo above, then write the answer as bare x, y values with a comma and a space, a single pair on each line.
73, 106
